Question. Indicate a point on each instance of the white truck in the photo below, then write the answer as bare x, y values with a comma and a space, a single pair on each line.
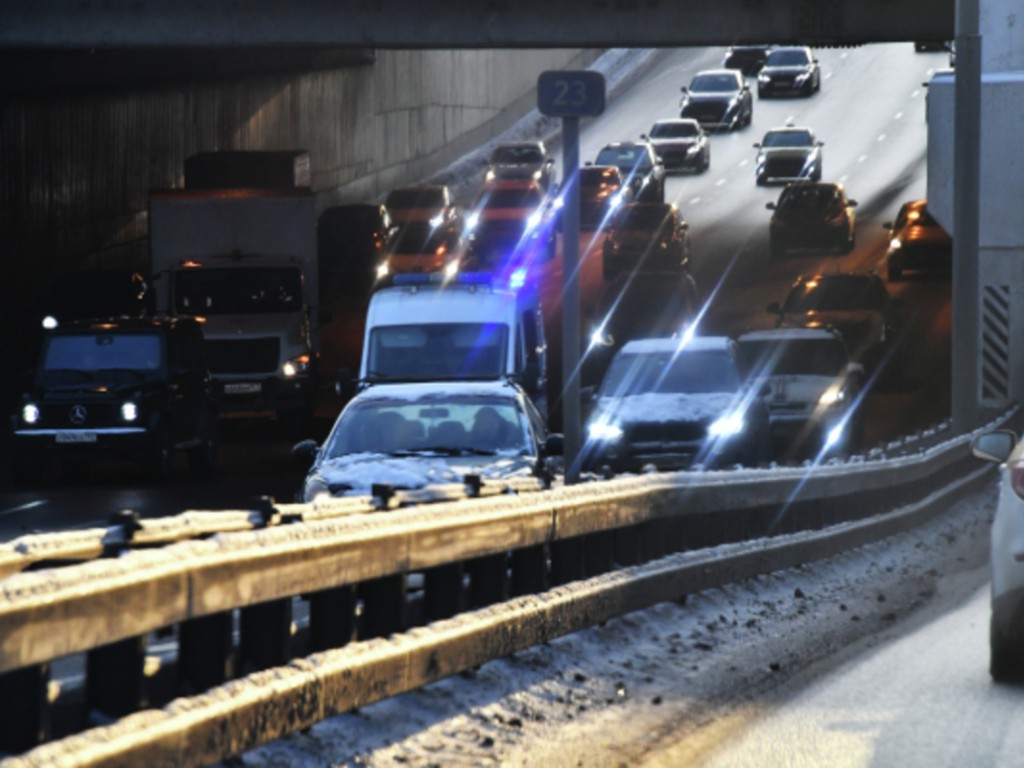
420, 329
244, 262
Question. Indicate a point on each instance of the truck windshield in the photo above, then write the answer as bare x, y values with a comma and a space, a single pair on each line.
237, 291
437, 351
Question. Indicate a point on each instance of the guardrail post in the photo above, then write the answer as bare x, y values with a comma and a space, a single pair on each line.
442, 591
115, 680
266, 633
488, 580
24, 708
567, 560
383, 606
332, 617
599, 556
205, 653
529, 571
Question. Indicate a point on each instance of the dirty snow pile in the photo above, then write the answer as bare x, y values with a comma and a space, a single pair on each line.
608, 695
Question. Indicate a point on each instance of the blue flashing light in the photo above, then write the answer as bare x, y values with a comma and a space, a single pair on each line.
517, 279
417, 278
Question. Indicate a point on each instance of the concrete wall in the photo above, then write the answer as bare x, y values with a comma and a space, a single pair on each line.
77, 168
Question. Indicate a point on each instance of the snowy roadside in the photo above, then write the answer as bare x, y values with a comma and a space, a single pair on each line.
613, 694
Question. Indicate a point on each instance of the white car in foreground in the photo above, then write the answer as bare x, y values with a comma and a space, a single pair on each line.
1006, 630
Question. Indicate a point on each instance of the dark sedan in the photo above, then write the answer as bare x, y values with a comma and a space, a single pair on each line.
681, 144
718, 99
788, 154
748, 59
645, 237
791, 70
917, 242
811, 215
856, 304
639, 165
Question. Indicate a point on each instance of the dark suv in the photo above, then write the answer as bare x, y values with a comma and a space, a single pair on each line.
137, 389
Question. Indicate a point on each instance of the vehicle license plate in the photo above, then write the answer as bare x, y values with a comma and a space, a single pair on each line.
242, 388
76, 437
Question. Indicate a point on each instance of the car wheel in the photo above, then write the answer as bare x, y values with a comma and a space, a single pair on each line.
157, 464
816, 176
704, 163
761, 179
26, 468
1005, 659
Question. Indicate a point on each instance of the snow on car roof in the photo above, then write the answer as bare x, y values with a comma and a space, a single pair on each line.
787, 333
672, 344
419, 390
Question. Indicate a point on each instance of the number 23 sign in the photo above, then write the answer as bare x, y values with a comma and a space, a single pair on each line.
570, 93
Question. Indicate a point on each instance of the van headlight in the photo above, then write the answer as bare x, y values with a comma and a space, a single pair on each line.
129, 411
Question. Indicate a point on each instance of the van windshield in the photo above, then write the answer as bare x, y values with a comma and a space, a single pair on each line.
437, 351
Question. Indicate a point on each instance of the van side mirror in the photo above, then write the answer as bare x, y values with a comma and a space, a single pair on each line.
305, 452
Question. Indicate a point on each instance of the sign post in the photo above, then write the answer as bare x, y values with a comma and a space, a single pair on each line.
571, 95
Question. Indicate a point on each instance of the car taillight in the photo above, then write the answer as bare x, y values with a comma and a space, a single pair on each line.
1017, 477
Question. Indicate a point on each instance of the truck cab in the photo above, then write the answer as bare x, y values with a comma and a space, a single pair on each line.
421, 328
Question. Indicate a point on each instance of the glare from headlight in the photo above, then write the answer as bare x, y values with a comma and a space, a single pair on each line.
451, 269
895, 244
30, 413
50, 322
129, 411
535, 220
471, 221
834, 435
832, 396
727, 426
382, 270
295, 366
437, 221
489, 176
602, 431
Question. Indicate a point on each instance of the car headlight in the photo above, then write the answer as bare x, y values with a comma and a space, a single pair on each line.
615, 200
30, 413
129, 411
383, 269
834, 435
490, 175
763, 79
603, 432
295, 366
727, 426
834, 395
471, 222
895, 244
802, 76
437, 220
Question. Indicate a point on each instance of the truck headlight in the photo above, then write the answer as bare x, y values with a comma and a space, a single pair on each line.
295, 366
603, 432
30, 413
727, 426
129, 411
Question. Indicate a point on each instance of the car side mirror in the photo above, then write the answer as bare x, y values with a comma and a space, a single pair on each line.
770, 206
774, 308
554, 444
994, 446
757, 145
887, 225
644, 137
684, 89
345, 383
305, 452
588, 394
852, 203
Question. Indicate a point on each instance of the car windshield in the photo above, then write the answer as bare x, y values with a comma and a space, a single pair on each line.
642, 217
832, 295
101, 351
714, 83
787, 58
801, 357
427, 197
444, 424
525, 197
517, 156
685, 372
242, 291
674, 130
429, 351
625, 158
417, 238
788, 139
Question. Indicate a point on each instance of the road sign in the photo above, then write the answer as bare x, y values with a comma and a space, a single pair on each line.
568, 93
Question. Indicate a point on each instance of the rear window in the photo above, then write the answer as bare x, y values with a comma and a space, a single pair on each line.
811, 357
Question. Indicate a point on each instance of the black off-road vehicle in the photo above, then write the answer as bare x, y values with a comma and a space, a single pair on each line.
136, 389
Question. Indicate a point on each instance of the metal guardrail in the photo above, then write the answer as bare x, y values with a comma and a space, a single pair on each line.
501, 546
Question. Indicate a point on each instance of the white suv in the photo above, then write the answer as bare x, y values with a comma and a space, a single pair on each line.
813, 390
1006, 628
